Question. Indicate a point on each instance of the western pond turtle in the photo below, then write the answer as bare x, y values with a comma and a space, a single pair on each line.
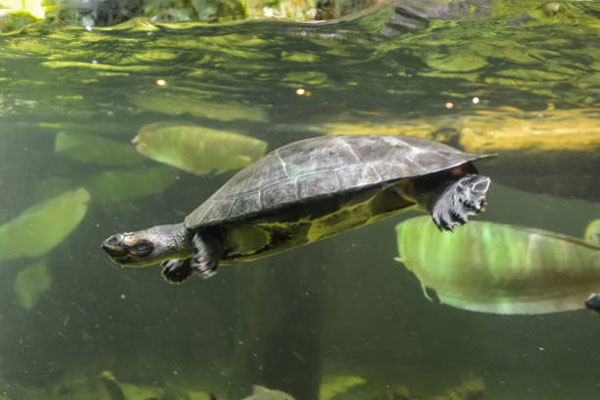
305, 191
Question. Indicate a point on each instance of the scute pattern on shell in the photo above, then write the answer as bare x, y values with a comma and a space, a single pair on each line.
321, 166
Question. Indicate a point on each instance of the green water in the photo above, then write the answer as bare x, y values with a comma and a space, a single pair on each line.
341, 307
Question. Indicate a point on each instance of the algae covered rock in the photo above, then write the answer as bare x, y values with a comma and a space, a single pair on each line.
12, 21
510, 129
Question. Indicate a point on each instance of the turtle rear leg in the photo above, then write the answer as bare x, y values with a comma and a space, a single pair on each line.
459, 200
206, 258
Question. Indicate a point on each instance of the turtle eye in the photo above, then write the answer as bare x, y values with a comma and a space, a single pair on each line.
142, 248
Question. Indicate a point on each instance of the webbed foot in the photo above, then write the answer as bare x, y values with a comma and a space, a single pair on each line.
459, 200
176, 271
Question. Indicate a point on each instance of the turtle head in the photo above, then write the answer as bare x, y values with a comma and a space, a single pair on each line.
149, 246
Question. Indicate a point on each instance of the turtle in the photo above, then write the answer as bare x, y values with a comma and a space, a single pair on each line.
305, 191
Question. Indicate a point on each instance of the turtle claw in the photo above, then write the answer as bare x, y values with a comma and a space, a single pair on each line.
447, 215
176, 271
445, 220
459, 200
207, 256
205, 270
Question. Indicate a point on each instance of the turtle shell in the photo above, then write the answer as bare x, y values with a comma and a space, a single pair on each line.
323, 166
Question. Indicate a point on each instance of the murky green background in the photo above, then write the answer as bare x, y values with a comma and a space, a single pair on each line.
340, 307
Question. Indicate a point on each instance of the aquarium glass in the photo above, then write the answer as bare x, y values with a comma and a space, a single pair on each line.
341, 318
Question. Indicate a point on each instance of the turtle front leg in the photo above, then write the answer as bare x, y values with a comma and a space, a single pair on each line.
176, 271
459, 200
207, 255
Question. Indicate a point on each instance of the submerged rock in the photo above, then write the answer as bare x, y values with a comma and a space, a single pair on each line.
533, 147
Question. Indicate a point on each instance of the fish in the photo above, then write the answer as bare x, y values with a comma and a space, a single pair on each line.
334, 385
125, 184
263, 393
92, 149
42, 227
592, 232
181, 102
32, 281
592, 235
498, 268
117, 390
112, 386
196, 149
115, 185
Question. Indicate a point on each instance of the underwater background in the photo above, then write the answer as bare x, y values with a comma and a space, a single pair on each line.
341, 318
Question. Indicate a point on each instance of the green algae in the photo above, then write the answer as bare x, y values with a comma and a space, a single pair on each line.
313, 78
299, 57
458, 62
534, 75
